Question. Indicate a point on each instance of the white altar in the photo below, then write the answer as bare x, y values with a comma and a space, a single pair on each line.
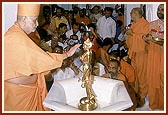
65, 95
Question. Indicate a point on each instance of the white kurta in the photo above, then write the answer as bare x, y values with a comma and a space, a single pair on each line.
70, 32
106, 27
61, 75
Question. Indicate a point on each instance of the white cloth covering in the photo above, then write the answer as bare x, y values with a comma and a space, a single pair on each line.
65, 95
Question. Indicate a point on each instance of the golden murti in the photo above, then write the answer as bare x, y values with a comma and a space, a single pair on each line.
87, 103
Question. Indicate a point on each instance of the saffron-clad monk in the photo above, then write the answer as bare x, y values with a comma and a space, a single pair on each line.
114, 73
26, 64
125, 68
137, 50
155, 71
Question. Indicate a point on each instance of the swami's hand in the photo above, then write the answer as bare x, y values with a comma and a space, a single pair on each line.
71, 51
129, 32
147, 38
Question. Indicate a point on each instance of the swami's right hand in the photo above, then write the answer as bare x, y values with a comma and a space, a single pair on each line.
147, 38
71, 51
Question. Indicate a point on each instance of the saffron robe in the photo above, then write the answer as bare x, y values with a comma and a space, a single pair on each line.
155, 71
22, 57
138, 54
128, 71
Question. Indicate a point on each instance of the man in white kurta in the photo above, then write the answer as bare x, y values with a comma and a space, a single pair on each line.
106, 26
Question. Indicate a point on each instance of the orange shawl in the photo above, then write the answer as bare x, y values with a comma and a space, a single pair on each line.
22, 57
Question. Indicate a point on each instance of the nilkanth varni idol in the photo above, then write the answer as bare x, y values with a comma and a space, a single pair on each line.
87, 103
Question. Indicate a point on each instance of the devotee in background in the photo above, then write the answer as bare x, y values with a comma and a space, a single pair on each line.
95, 14
82, 17
59, 17
106, 26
